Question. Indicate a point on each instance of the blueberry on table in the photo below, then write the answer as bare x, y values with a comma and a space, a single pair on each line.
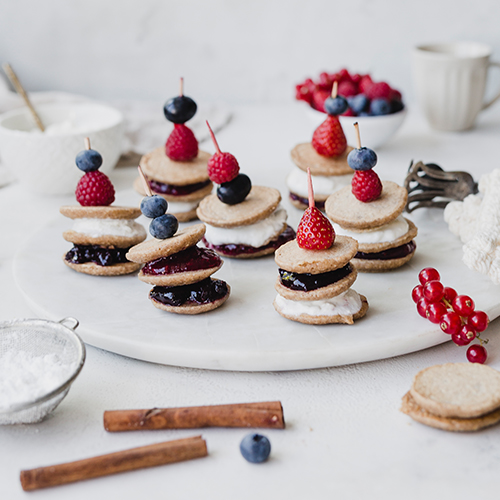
255, 448
88, 160
380, 107
234, 191
336, 105
153, 206
362, 159
180, 109
163, 227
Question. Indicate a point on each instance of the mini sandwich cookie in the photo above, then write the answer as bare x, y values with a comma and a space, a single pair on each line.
101, 234
315, 274
178, 171
179, 270
243, 221
370, 212
325, 157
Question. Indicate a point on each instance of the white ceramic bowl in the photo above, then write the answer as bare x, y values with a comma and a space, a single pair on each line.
45, 162
374, 130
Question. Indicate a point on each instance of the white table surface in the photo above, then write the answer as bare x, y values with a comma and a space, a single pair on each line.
345, 437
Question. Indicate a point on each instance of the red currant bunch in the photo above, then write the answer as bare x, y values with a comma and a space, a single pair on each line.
455, 314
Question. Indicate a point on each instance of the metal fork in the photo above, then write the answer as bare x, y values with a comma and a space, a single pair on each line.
425, 182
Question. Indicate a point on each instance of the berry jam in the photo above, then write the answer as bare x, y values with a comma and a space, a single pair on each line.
232, 250
307, 282
203, 292
305, 201
192, 259
102, 256
391, 253
173, 190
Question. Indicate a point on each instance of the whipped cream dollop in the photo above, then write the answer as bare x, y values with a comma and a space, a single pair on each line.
108, 227
255, 235
388, 232
323, 185
177, 207
345, 304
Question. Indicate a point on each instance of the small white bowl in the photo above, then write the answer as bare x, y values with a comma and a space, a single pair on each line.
45, 162
374, 130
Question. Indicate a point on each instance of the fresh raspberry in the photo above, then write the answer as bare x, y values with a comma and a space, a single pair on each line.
329, 139
356, 78
365, 83
302, 93
395, 95
181, 144
222, 167
380, 90
325, 82
319, 98
343, 75
366, 185
95, 190
347, 88
315, 231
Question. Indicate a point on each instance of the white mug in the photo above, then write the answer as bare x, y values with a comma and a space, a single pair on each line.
450, 81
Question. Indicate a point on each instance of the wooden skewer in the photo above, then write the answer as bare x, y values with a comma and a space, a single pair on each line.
358, 137
310, 191
20, 90
181, 87
335, 89
87, 143
145, 182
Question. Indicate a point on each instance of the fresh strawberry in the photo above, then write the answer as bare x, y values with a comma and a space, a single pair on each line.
347, 88
315, 232
365, 83
222, 167
181, 144
325, 82
380, 90
319, 98
366, 185
329, 139
95, 190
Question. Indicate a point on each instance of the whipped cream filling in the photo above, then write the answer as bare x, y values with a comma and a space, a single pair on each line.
254, 235
345, 304
108, 227
388, 232
177, 207
323, 185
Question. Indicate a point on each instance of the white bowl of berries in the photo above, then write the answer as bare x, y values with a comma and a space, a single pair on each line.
376, 106
44, 162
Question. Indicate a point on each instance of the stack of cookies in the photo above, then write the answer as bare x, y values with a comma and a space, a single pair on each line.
455, 397
181, 272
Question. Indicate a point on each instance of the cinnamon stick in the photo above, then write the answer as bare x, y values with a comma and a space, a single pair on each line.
264, 415
104, 465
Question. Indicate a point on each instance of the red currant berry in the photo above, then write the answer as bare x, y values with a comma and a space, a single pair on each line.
463, 305
478, 320
421, 307
435, 312
449, 294
451, 323
468, 332
459, 339
417, 293
433, 291
477, 354
428, 274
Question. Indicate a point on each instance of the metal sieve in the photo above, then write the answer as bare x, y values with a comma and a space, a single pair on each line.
41, 337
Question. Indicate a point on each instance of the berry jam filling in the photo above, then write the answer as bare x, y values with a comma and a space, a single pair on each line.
102, 256
307, 282
305, 201
231, 249
391, 253
173, 190
203, 292
192, 259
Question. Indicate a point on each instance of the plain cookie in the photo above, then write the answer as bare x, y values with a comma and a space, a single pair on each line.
305, 156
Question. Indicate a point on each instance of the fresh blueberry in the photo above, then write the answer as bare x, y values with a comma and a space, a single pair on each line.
396, 106
362, 159
88, 160
153, 206
255, 448
380, 107
180, 109
163, 227
336, 105
358, 103
234, 191
364, 113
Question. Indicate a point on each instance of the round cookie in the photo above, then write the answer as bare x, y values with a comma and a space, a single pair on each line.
457, 390
194, 196
154, 249
192, 309
291, 257
347, 211
385, 245
378, 265
111, 212
305, 156
185, 216
158, 166
106, 240
96, 270
326, 320
411, 408
260, 203
325, 292
178, 279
